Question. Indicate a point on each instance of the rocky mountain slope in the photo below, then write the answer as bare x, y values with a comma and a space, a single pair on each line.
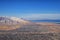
10, 23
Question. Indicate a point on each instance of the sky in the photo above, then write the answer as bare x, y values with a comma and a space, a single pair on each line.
31, 9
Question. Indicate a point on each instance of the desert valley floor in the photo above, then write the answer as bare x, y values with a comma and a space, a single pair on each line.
32, 32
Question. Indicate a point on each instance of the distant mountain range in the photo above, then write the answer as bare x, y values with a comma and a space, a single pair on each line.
47, 20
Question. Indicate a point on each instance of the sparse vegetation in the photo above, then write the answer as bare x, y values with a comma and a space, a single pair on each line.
30, 36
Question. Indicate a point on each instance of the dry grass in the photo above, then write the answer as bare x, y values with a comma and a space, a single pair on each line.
9, 27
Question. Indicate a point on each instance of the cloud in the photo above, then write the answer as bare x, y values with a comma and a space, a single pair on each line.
41, 16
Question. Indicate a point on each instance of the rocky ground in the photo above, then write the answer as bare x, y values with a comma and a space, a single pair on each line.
29, 36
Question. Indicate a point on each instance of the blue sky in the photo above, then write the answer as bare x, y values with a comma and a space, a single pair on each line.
31, 9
